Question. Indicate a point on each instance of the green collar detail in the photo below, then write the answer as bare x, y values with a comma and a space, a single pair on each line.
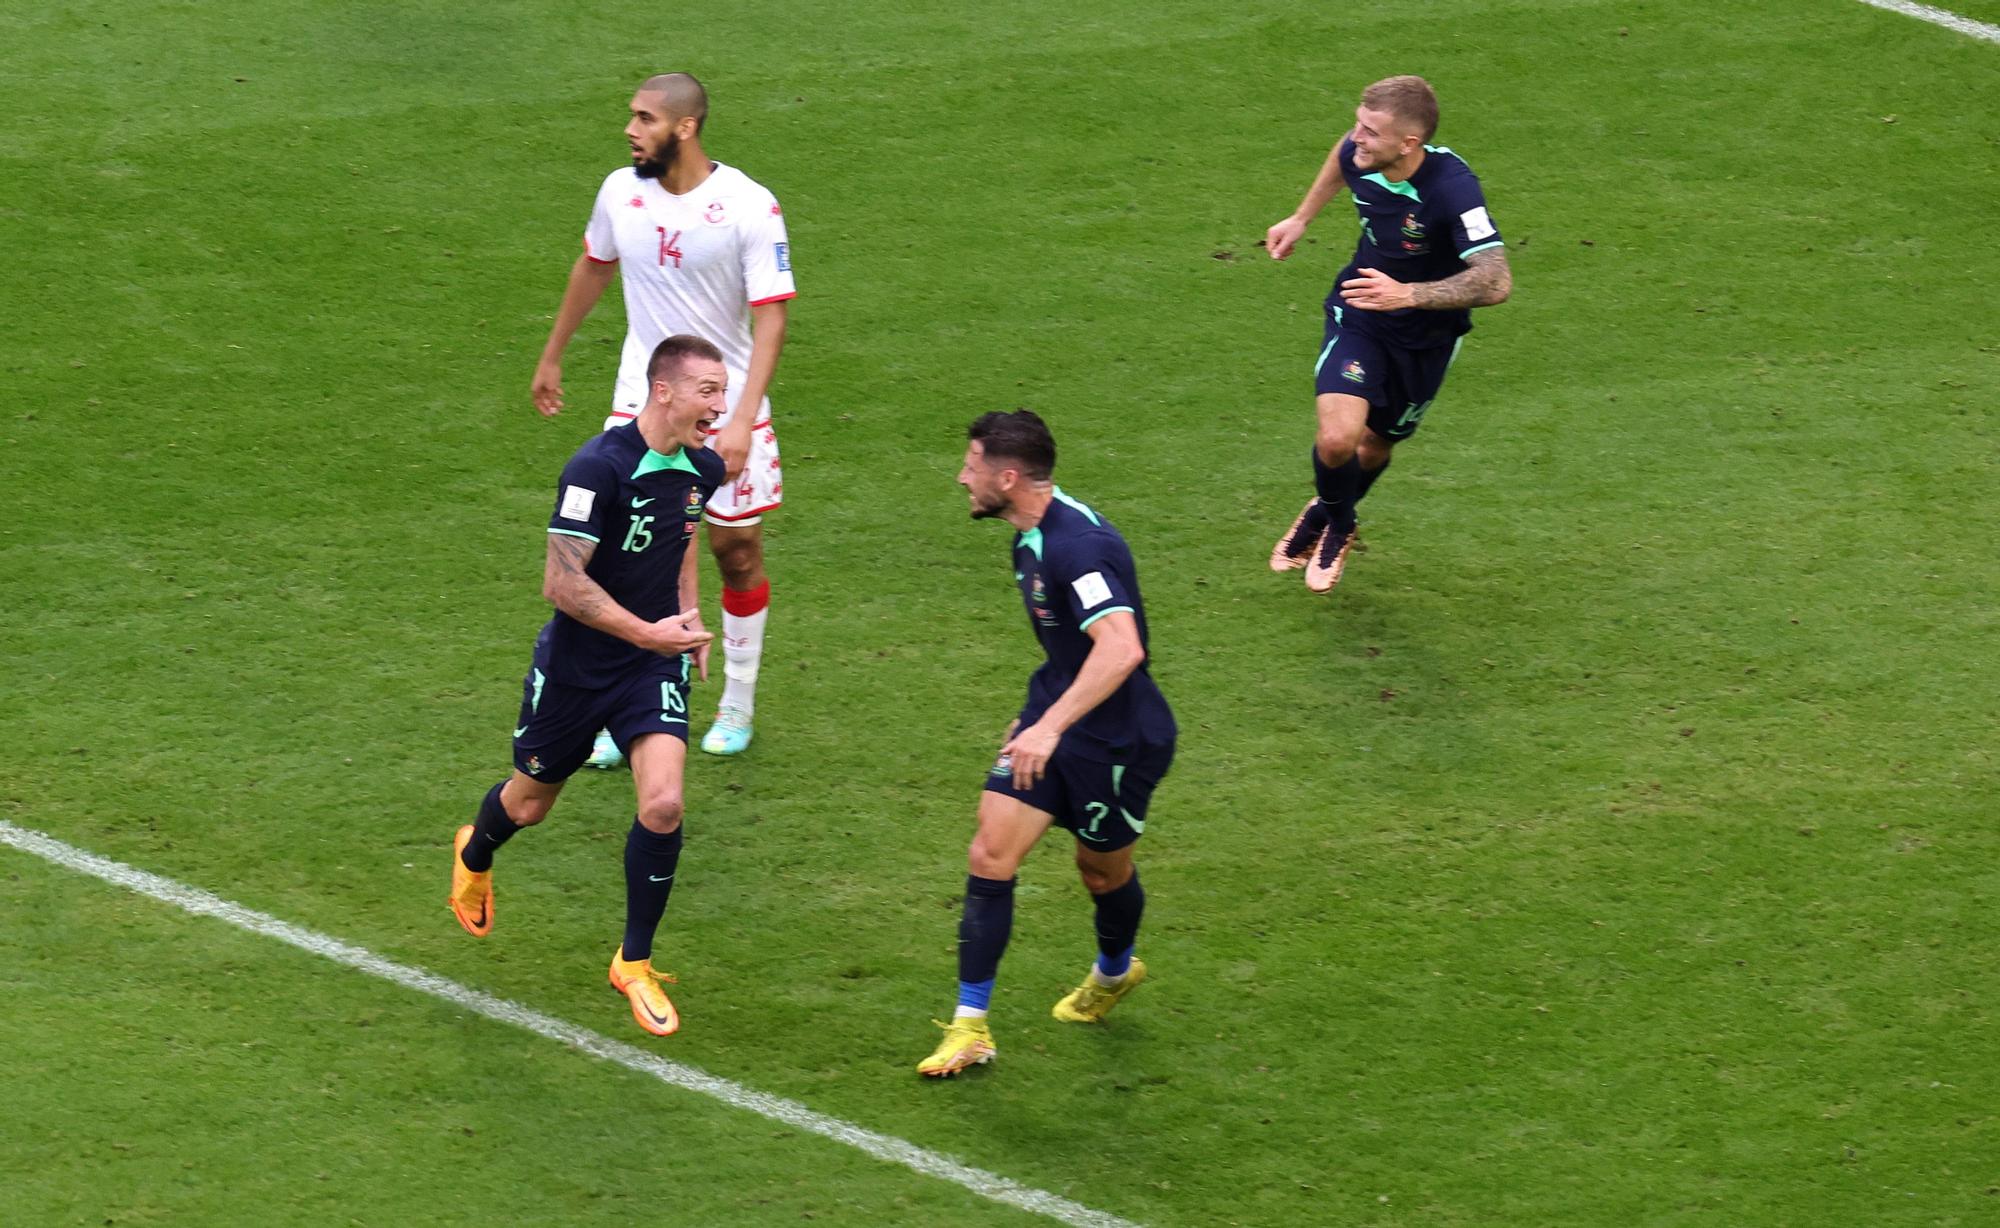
1032, 539
653, 462
1400, 189
1072, 503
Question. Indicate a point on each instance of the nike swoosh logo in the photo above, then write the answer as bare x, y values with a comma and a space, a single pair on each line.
650, 1012
518, 732
643, 502
654, 878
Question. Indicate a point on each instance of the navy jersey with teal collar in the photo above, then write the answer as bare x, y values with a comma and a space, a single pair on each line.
1073, 569
643, 510
1419, 230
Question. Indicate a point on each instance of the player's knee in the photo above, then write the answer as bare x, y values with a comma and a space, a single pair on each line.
988, 860
1373, 451
739, 562
660, 810
527, 814
1335, 444
1099, 878
1095, 881
523, 809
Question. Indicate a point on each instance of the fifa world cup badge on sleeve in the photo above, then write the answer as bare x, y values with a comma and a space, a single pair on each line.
1091, 589
577, 502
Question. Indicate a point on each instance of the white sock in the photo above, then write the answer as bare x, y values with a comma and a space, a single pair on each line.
968, 1012
742, 652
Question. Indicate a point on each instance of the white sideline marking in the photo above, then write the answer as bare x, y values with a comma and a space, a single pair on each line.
1940, 17
735, 1095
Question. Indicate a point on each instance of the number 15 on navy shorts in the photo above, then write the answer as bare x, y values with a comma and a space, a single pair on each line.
558, 723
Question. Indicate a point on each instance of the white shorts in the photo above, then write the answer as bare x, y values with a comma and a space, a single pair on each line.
758, 489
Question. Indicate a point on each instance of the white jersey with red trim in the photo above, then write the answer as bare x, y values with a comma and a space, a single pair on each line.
694, 263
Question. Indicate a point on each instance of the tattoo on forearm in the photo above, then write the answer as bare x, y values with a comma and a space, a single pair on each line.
1488, 280
587, 599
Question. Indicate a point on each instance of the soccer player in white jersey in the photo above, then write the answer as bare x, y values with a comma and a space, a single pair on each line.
700, 248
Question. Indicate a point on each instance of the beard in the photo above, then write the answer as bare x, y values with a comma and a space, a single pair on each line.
655, 167
987, 511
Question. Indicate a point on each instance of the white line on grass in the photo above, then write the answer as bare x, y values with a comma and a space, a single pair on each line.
1940, 17
735, 1095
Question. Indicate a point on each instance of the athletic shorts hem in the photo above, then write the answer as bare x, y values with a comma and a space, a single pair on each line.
750, 516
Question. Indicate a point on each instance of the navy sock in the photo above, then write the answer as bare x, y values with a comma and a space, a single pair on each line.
650, 861
1339, 488
983, 930
489, 831
1368, 477
1118, 913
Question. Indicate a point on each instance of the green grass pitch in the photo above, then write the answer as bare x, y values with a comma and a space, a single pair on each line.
1615, 847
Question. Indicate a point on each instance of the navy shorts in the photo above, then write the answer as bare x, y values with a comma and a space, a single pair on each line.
558, 723
1102, 804
1398, 384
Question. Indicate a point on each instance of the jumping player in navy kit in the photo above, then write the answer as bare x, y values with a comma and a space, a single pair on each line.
623, 578
1085, 753
1428, 253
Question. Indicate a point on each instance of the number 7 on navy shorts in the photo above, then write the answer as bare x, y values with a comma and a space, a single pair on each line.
1102, 804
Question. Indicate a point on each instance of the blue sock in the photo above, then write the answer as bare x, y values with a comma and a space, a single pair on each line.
650, 862
974, 996
489, 831
983, 930
1118, 913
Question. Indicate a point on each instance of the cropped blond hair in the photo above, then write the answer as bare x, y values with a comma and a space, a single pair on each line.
1409, 99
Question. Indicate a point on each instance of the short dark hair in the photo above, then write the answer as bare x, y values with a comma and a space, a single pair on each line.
1021, 437
684, 96
671, 354
1409, 99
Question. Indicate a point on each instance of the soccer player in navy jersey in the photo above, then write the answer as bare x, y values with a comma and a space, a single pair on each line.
1085, 753
1428, 253
622, 574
